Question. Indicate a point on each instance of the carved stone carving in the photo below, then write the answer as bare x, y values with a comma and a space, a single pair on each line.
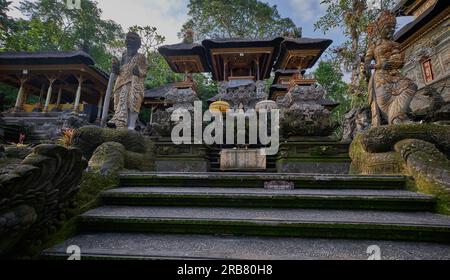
301, 115
181, 99
390, 92
421, 151
355, 122
35, 196
129, 87
110, 151
243, 97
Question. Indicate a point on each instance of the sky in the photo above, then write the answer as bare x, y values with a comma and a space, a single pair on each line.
169, 15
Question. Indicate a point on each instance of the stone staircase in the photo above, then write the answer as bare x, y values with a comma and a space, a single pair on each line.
232, 216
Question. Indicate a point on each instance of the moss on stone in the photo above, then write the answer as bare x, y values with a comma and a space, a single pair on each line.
91, 186
108, 158
419, 151
89, 138
367, 163
424, 185
382, 139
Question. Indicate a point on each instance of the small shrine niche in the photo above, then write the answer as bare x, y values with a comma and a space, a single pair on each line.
427, 70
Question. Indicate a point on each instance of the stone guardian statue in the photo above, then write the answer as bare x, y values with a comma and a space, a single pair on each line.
390, 92
129, 88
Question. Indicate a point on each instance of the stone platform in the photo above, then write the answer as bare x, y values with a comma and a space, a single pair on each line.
317, 155
182, 158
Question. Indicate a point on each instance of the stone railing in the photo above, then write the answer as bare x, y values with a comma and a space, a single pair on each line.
36, 193
419, 151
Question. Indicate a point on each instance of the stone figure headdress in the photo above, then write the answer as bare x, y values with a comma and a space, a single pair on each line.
134, 38
386, 19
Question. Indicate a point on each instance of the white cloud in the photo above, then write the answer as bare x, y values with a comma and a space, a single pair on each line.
307, 10
166, 15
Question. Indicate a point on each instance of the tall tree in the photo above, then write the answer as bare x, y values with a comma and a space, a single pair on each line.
4, 9
329, 75
151, 39
235, 18
5, 22
352, 16
51, 25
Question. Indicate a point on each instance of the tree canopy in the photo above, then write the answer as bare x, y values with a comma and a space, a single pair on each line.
235, 19
49, 25
5, 22
352, 17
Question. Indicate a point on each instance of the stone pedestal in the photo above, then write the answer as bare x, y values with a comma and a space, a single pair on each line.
314, 155
241, 159
180, 158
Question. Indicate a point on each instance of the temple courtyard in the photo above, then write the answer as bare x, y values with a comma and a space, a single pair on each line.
101, 165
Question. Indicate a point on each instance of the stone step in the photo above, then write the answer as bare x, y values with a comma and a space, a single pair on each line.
262, 198
257, 180
133, 246
217, 169
415, 226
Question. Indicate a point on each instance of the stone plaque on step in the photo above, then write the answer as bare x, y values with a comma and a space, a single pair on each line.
279, 185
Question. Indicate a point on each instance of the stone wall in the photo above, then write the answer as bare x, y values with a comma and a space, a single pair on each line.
435, 45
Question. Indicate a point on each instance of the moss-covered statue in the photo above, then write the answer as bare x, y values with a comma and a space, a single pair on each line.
129, 87
390, 92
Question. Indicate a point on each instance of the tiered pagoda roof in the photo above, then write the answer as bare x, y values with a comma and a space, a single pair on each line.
251, 59
256, 58
186, 58
301, 53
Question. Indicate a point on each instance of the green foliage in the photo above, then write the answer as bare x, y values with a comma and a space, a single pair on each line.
51, 26
235, 18
159, 73
5, 22
207, 88
151, 39
10, 94
329, 75
352, 18
91, 186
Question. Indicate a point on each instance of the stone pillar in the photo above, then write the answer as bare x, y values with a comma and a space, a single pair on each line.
49, 94
26, 93
76, 106
20, 94
58, 101
151, 114
41, 96
100, 107
257, 71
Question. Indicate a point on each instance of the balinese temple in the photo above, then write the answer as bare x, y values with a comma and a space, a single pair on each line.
241, 68
50, 84
426, 43
237, 63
